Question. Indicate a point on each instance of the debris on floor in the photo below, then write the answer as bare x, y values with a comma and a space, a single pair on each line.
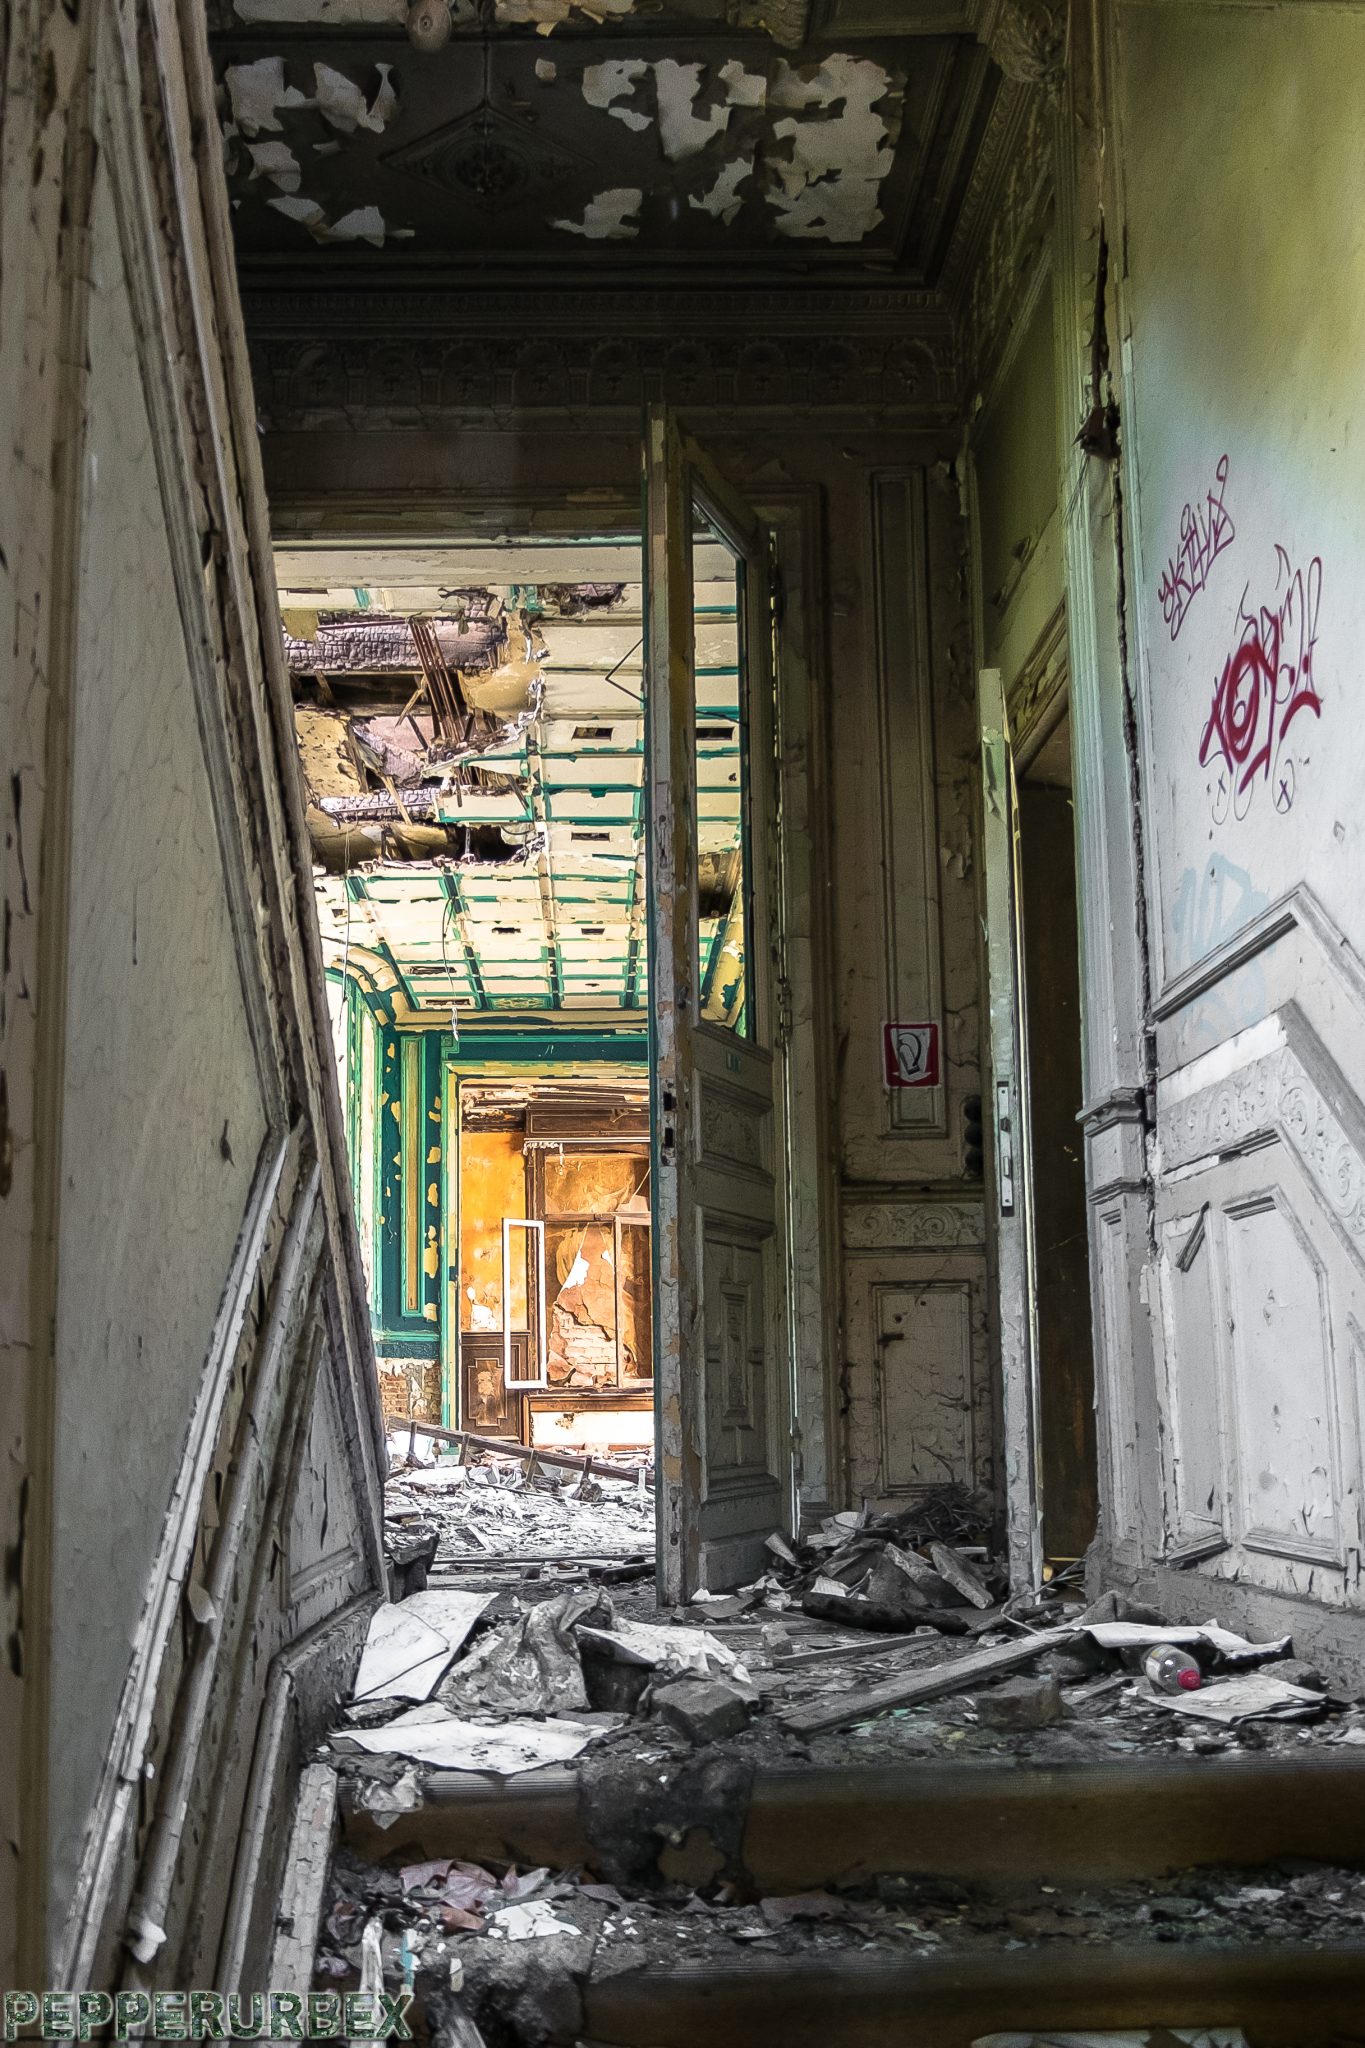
801, 1665
448, 1923
507, 1747
1162, 2037
477, 1507
503, 1667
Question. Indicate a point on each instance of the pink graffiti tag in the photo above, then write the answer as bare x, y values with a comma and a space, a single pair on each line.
1266, 682
1205, 530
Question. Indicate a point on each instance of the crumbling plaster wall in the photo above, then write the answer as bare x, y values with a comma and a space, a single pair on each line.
1236, 325
190, 1415
891, 1269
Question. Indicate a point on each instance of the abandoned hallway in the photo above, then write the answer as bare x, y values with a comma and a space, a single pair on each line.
682, 1021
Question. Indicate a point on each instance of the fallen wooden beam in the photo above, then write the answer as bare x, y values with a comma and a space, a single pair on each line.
564, 1461
914, 1687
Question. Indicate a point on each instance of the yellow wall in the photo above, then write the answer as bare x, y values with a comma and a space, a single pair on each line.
492, 1185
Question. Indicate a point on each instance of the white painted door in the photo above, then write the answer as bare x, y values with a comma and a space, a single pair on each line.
1008, 1120
721, 1281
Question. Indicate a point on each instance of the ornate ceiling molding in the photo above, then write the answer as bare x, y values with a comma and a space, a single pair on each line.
1028, 40
331, 376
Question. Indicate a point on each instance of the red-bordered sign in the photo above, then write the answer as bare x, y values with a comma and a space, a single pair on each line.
910, 1053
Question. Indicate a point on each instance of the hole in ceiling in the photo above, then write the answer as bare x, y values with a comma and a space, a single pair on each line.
581, 837
715, 732
592, 732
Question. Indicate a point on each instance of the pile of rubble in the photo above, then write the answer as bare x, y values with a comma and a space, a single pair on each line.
509, 1677
488, 1506
926, 1567
891, 1634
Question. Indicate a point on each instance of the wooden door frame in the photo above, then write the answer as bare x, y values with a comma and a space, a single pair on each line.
814, 1456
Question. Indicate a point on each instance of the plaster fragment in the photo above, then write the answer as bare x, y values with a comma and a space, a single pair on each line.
547, 71
361, 224
257, 91
342, 104
276, 161
326, 13
604, 84
830, 179
723, 201
743, 88
545, 15
607, 218
682, 131
822, 163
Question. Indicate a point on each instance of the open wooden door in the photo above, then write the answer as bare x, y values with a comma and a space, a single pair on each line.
1009, 1128
715, 954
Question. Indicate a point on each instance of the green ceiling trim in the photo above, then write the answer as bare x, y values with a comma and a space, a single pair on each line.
528, 1046
457, 909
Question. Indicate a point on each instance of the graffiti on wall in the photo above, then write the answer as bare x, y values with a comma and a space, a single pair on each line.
1205, 530
1208, 909
1266, 685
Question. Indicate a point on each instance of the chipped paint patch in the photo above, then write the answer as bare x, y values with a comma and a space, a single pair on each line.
276, 161
682, 130
257, 94
724, 199
611, 217
333, 13
361, 224
832, 180
257, 91
605, 84
342, 104
546, 15
829, 142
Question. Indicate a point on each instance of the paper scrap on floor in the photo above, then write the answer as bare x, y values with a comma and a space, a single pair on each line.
677, 1652
1250, 1696
1139, 1635
431, 1736
410, 1644
528, 1922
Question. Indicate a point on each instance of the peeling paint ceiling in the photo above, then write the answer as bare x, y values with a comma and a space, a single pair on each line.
575, 132
480, 845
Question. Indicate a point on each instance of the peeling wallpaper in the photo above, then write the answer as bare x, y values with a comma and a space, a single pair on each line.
698, 148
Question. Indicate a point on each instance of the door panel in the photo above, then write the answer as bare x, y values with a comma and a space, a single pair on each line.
1009, 1124
720, 1261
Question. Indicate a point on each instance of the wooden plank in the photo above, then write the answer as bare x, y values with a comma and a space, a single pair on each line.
298, 1919
912, 1689
503, 1447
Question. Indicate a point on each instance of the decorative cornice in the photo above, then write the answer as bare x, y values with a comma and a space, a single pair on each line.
442, 309
1001, 228
1297, 1094
915, 1226
328, 374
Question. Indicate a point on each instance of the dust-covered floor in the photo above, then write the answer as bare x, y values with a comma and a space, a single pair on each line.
495, 1510
535, 1647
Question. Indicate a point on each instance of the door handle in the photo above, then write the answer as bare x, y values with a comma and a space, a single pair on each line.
1004, 1146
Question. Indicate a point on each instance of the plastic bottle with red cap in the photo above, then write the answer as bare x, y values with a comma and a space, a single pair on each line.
1167, 1668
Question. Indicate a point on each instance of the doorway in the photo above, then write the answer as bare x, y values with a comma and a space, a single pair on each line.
1051, 1008
536, 874
553, 1220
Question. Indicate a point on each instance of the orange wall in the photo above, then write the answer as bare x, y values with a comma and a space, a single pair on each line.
492, 1185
